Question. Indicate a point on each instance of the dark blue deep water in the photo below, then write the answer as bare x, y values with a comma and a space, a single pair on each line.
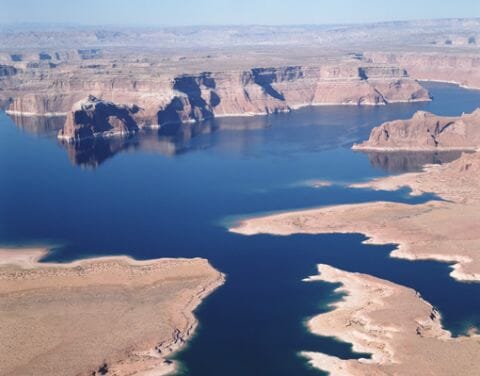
171, 193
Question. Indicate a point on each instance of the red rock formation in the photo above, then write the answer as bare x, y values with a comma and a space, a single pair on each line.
258, 91
94, 117
426, 131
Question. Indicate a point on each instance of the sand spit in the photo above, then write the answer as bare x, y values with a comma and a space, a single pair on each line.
392, 322
441, 230
320, 183
99, 316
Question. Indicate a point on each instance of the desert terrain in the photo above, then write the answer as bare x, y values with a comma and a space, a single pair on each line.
96, 316
401, 330
117, 81
389, 321
116, 315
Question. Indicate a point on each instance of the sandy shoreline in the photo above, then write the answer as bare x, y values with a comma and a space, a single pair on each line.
392, 322
108, 313
446, 231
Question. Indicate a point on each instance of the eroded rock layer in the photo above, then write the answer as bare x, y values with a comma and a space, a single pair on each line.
461, 67
62, 83
426, 131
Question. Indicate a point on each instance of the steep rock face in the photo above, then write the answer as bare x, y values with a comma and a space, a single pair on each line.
261, 91
195, 100
94, 117
463, 69
426, 131
42, 88
43, 103
58, 81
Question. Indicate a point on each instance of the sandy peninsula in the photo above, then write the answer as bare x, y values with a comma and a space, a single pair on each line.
441, 230
100, 316
400, 329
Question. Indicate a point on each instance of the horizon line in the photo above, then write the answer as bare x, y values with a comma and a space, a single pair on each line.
137, 25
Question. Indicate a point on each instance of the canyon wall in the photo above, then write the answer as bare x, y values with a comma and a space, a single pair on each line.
60, 84
462, 68
426, 131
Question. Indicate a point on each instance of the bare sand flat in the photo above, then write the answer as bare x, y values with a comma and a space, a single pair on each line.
111, 315
393, 323
440, 230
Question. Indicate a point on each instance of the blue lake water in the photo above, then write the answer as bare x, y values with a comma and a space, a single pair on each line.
170, 193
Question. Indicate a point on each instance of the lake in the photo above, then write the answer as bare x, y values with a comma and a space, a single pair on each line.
173, 192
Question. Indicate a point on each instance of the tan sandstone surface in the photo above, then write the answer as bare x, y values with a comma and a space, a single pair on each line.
392, 322
441, 230
458, 66
109, 315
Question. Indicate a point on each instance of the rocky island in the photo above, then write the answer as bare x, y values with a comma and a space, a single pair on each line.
426, 132
110, 315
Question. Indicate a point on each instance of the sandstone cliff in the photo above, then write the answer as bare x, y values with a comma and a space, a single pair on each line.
94, 117
258, 91
462, 68
177, 89
426, 131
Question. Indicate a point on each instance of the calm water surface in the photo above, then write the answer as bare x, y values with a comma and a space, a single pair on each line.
170, 193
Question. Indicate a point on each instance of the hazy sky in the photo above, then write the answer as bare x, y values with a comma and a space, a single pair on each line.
214, 12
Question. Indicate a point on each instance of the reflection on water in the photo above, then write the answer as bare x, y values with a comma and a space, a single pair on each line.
149, 206
308, 129
314, 129
399, 162
169, 140
175, 139
39, 125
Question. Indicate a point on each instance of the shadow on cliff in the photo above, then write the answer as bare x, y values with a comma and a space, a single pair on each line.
190, 104
39, 125
265, 78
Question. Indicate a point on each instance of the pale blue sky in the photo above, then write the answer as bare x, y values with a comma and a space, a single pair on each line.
214, 12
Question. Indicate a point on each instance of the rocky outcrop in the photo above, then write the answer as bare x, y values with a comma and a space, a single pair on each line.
173, 89
198, 97
95, 117
426, 131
